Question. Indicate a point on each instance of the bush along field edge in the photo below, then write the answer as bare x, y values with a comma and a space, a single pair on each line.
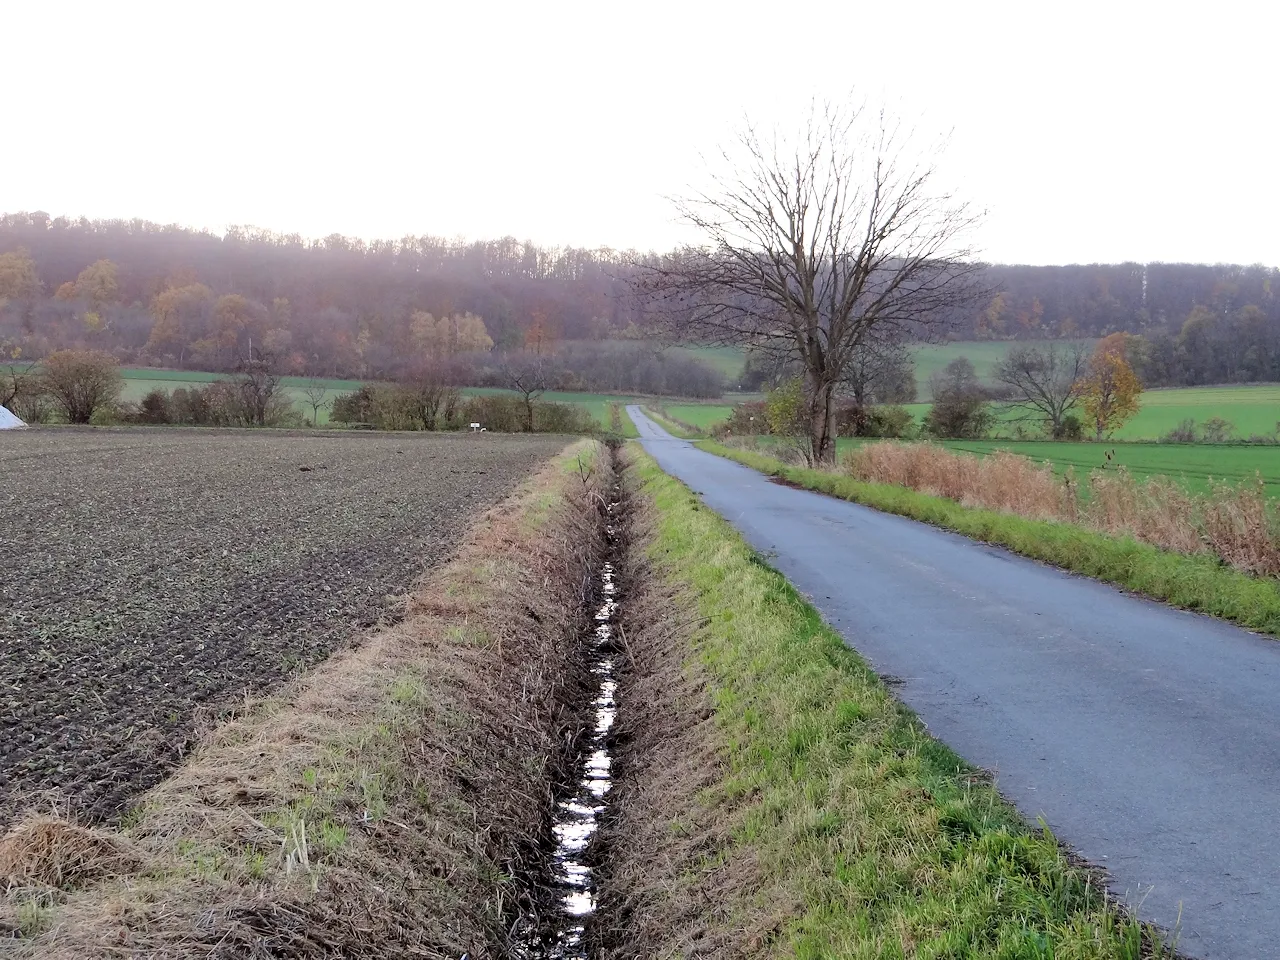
394, 802
1197, 582
775, 800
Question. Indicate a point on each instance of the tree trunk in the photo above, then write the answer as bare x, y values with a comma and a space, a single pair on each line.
821, 442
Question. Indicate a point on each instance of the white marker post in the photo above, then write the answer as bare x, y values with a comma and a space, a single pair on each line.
475, 427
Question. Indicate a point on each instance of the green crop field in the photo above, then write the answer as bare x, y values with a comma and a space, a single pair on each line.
983, 354
728, 360
1253, 410
1196, 463
701, 415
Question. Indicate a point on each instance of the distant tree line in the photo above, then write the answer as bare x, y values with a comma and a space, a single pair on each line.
170, 296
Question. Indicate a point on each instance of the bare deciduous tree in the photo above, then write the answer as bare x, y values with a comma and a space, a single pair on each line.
262, 402
526, 373
880, 371
1045, 382
424, 392
81, 381
317, 396
814, 247
17, 380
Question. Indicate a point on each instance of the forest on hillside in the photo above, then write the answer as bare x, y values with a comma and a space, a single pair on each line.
165, 295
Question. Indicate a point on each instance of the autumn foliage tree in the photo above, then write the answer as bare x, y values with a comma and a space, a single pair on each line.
1110, 389
18, 278
541, 336
177, 313
448, 336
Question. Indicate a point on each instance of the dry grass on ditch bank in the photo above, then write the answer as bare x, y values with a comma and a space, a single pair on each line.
1233, 522
382, 807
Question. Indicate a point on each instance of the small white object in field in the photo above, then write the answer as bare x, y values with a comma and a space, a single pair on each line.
475, 427
8, 421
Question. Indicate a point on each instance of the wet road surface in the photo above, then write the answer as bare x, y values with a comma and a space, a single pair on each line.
1147, 738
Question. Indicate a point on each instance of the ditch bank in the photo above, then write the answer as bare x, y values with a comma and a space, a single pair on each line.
400, 800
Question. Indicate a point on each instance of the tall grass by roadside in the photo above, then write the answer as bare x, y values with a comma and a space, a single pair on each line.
1232, 522
813, 816
1194, 581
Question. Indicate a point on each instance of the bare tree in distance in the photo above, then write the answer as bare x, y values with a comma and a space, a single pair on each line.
317, 397
424, 391
81, 382
17, 380
526, 373
1046, 382
262, 402
880, 371
815, 246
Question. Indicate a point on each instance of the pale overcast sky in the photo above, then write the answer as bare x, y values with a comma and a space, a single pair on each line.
1088, 131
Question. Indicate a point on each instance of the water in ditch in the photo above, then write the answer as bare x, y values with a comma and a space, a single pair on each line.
578, 808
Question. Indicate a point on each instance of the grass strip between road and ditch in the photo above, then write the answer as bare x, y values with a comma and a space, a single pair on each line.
822, 819
1199, 583
388, 804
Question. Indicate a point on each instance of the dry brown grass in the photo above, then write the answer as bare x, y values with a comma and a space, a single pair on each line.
381, 808
48, 851
1002, 481
1233, 522
1158, 511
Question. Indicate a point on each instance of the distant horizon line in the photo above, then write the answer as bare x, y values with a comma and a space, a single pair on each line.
460, 239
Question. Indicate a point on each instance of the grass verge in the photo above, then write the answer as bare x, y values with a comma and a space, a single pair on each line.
807, 813
388, 805
1200, 583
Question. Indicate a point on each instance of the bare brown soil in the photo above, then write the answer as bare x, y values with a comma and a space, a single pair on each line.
386, 805
153, 577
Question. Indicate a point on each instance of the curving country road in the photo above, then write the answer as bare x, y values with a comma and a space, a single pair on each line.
1146, 737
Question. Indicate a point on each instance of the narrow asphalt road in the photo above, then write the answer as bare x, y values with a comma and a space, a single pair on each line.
1147, 738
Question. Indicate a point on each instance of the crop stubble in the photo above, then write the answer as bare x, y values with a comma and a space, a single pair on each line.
150, 574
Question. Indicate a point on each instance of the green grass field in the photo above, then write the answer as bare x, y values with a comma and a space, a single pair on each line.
1196, 463
703, 415
728, 360
1253, 409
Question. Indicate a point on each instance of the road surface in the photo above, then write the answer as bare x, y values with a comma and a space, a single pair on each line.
1146, 737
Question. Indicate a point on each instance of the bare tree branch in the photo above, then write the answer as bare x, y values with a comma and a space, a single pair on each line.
1044, 382
813, 247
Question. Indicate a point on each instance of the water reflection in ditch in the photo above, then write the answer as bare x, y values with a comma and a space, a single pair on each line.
577, 811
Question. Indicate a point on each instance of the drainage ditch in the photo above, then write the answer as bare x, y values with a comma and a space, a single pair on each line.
565, 892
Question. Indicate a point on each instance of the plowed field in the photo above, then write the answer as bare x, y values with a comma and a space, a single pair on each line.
150, 577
